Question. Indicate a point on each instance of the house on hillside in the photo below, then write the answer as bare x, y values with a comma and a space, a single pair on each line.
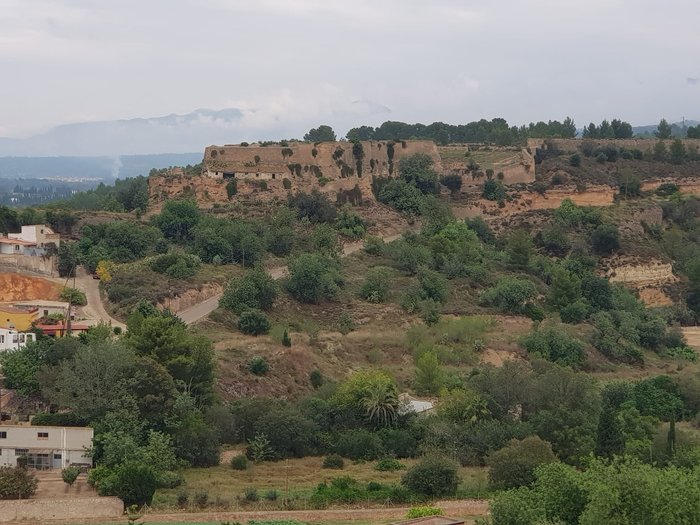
46, 308
61, 329
19, 319
34, 239
45, 447
14, 340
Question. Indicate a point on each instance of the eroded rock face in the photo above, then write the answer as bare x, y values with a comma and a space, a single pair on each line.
648, 277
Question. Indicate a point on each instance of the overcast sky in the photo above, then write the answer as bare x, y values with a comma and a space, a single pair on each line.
347, 62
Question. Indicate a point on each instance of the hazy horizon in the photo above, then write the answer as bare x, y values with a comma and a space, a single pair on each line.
288, 65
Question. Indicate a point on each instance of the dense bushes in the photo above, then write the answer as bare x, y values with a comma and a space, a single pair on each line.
514, 465
16, 483
554, 344
175, 265
313, 278
255, 290
433, 476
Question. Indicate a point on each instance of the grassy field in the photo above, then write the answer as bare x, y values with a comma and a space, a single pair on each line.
298, 478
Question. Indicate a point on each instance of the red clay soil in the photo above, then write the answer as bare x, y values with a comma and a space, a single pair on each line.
17, 287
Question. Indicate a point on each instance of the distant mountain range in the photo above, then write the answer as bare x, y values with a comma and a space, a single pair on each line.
138, 136
676, 128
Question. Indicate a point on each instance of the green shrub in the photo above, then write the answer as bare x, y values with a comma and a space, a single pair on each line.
182, 499
313, 278
377, 284
231, 188
286, 184
433, 476
514, 465
135, 484
350, 225
510, 295
424, 511
493, 190
575, 160
554, 344
253, 322
70, 474
316, 378
201, 498
239, 462
251, 494
374, 246
258, 366
255, 290
605, 239
286, 340
16, 483
272, 495
389, 465
333, 461
74, 296
359, 444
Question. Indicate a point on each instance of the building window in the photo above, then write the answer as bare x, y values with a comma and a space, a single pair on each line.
57, 456
46, 313
21, 338
42, 435
2, 339
3, 435
21, 451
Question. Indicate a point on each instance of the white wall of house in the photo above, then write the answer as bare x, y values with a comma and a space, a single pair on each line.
53, 447
14, 340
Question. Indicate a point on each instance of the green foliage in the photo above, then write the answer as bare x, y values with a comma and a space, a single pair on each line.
452, 182
421, 512
74, 296
21, 367
360, 444
493, 190
177, 219
554, 344
314, 206
239, 462
377, 285
417, 171
409, 257
258, 366
322, 133
16, 483
259, 448
333, 461
316, 378
374, 245
389, 465
176, 265
510, 295
429, 377
346, 490
433, 476
605, 239
350, 225
134, 484
514, 465
402, 196
519, 248
254, 290
231, 188
286, 340
70, 474
253, 322
575, 160
372, 394
313, 278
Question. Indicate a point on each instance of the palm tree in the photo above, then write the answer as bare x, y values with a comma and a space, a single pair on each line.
381, 404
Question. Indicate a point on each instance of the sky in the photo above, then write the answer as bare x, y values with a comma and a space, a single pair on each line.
290, 64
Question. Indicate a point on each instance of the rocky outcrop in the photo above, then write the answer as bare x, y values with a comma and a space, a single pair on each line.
648, 277
191, 297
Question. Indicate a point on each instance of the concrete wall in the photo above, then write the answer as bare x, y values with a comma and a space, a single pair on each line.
38, 510
36, 264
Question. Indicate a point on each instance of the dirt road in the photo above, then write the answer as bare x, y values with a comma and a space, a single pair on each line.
459, 508
203, 309
692, 335
95, 308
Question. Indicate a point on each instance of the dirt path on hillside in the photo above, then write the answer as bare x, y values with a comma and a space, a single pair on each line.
201, 310
458, 508
692, 335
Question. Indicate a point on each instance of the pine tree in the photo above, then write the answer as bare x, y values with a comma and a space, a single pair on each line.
610, 441
286, 340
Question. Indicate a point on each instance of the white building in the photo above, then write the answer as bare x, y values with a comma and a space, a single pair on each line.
45, 447
34, 239
46, 308
14, 340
